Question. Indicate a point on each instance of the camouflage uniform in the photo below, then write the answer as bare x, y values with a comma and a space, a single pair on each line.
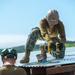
12, 70
32, 39
39, 33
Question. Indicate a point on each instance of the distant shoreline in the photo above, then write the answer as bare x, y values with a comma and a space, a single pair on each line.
21, 49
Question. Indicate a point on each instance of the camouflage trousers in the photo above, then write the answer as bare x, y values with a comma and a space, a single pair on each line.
32, 39
35, 35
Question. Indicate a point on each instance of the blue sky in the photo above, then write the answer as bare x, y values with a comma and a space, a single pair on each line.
18, 17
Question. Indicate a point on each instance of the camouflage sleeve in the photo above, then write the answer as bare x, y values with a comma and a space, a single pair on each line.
62, 34
43, 30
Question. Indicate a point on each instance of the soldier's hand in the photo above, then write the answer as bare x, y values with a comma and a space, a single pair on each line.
47, 38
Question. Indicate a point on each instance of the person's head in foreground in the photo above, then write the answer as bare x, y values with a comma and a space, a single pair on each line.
9, 56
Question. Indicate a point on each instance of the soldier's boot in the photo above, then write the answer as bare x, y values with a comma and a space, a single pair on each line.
25, 58
43, 53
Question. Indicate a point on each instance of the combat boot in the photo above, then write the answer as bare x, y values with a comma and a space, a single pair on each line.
43, 53
26, 58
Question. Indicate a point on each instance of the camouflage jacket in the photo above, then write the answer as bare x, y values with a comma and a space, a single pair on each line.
11, 70
52, 32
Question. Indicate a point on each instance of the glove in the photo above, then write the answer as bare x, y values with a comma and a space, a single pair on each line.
47, 38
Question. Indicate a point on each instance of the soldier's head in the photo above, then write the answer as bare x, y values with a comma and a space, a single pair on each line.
52, 17
9, 54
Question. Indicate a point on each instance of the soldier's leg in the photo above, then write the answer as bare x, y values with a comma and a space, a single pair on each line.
43, 51
32, 38
43, 55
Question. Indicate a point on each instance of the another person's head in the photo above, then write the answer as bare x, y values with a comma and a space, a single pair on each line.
9, 56
52, 17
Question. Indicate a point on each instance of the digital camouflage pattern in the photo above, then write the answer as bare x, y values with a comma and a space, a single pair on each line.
47, 30
32, 38
35, 35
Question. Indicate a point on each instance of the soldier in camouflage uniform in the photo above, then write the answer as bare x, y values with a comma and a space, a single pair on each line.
48, 30
9, 57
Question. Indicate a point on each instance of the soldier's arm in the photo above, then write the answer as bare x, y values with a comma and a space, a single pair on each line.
43, 30
62, 34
